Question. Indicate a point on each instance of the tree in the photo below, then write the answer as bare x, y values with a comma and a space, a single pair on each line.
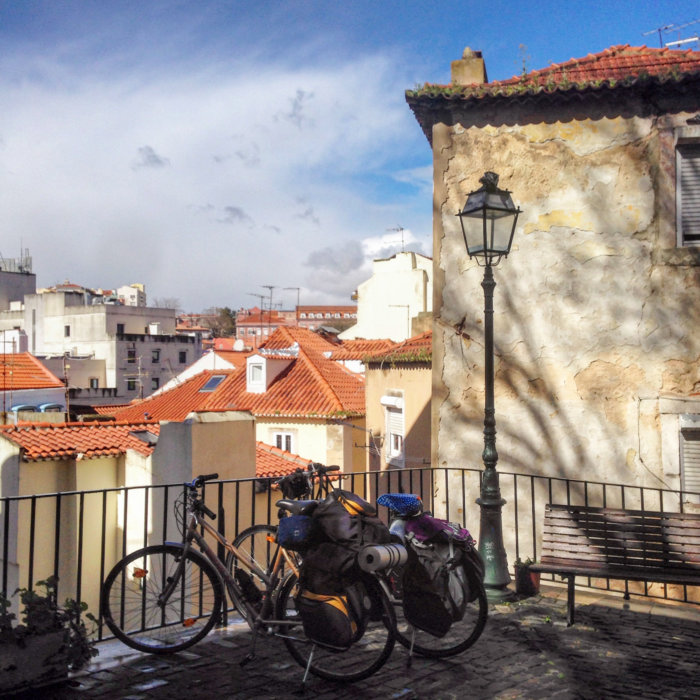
221, 320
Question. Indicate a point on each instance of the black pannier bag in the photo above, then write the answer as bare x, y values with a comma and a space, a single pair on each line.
342, 524
348, 520
430, 529
335, 622
435, 588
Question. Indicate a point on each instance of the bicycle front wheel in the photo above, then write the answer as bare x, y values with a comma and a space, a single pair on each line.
364, 657
461, 635
134, 611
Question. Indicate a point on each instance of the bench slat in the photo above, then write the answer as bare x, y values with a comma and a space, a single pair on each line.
622, 544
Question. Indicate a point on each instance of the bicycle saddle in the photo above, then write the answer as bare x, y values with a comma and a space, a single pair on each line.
297, 507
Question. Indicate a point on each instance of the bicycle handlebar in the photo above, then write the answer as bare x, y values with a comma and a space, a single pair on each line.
199, 480
322, 468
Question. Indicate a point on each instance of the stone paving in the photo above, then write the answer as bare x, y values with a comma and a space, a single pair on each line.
617, 649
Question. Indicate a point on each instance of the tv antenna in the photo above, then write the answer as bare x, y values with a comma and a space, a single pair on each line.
669, 28
399, 229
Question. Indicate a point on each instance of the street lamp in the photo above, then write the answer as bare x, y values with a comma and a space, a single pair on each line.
488, 223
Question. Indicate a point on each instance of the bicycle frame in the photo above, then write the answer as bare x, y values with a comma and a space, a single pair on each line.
271, 579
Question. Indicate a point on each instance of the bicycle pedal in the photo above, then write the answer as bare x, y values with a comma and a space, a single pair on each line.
246, 659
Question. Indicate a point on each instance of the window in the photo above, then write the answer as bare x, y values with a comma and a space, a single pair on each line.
155, 383
284, 441
131, 355
255, 373
213, 382
394, 418
94, 383
182, 356
66, 331
120, 329
690, 460
155, 356
688, 193
131, 385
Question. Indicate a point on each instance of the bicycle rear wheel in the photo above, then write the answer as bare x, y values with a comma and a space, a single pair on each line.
461, 635
364, 657
132, 610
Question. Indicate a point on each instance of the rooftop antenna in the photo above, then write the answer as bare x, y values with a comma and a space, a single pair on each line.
399, 229
668, 28
269, 314
262, 308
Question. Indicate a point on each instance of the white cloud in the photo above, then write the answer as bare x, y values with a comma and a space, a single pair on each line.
202, 183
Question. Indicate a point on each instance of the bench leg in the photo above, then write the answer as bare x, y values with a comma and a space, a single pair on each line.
570, 601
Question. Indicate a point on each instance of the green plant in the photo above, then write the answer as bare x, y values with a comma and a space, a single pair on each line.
519, 562
41, 615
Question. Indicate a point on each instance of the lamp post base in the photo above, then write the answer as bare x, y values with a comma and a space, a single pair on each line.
496, 576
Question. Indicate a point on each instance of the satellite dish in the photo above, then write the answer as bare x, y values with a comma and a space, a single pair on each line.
238, 345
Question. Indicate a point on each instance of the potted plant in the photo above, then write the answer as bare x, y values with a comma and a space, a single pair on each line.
49, 642
527, 582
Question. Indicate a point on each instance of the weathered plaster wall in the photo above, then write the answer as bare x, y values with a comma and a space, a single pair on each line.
596, 312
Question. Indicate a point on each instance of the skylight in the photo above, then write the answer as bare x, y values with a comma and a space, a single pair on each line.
213, 382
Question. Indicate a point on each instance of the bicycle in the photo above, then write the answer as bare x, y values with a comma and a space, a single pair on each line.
463, 633
316, 481
166, 597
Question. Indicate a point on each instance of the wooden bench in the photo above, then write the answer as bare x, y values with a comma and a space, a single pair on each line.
633, 545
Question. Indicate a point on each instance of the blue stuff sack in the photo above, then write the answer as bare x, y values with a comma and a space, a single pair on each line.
404, 504
294, 532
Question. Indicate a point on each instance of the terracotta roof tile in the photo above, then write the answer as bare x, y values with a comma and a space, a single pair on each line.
613, 67
44, 441
359, 348
416, 349
23, 371
615, 63
271, 461
312, 386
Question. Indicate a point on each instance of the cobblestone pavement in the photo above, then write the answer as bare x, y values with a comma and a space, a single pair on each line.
617, 649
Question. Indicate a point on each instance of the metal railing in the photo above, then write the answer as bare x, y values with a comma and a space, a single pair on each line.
78, 536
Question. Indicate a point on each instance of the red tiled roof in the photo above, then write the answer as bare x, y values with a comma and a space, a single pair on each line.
271, 461
615, 63
359, 348
24, 371
416, 349
236, 357
43, 441
623, 64
312, 386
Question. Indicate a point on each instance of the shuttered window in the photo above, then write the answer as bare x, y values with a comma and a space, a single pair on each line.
690, 460
395, 436
688, 193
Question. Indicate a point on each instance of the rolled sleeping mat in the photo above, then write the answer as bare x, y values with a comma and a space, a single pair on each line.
374, 557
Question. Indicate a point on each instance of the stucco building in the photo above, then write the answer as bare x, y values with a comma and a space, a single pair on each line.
597, 309
398, 293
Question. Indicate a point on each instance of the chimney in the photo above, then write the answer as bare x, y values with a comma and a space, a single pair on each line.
470, 69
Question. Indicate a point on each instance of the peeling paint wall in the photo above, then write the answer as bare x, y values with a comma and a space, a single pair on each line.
597, 313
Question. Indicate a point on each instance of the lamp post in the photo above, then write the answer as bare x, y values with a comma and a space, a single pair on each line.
488, 222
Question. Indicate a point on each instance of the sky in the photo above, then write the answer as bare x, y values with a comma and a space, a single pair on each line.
211, 149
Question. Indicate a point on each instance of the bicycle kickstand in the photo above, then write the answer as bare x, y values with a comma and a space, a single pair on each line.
308, 667
251, 652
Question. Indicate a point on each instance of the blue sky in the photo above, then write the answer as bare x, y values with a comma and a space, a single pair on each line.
208, 148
